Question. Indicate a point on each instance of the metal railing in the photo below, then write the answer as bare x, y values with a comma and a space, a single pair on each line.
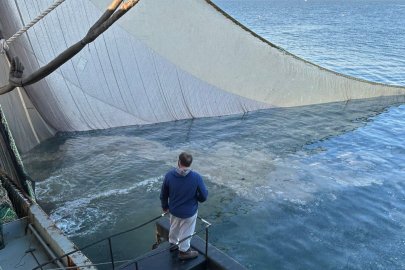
177, 244
108, 238
206, 235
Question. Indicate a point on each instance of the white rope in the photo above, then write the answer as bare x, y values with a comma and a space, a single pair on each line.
4, 44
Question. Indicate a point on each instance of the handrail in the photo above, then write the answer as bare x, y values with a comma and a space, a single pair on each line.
129, 230
206, 237
177, 244
98, 241
203, 220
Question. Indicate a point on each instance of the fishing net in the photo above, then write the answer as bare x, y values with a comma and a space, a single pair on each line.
1, 236
7, 214
10, 161
11, 168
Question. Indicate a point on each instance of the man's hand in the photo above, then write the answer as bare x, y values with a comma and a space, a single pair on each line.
165, 211
17, 68
16, 72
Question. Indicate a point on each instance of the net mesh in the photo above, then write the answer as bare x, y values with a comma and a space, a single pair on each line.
7, 213
10, 160
11, 168
1, 236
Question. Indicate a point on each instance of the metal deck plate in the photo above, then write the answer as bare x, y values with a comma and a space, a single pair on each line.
13, 256
166, 261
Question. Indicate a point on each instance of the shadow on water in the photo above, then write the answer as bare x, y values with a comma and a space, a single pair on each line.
279, 180
282, 130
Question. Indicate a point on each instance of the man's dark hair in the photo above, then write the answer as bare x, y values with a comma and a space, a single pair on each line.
186, 159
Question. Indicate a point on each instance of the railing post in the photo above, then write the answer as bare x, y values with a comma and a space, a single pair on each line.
111, 253
136, 265
206, 242
206, 248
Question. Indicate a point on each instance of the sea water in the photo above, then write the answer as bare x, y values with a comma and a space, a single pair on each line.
313, 187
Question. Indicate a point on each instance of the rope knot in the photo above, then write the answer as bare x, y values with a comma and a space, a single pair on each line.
3, 46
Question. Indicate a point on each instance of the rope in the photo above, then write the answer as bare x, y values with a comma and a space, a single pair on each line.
3, 46
106, 21
8, 210
4, 43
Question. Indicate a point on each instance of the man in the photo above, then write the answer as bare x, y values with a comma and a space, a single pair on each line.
184, 188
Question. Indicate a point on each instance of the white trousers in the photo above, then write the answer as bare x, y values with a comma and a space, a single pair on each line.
180, 228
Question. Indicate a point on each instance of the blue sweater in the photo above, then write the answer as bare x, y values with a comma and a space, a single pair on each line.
184, 193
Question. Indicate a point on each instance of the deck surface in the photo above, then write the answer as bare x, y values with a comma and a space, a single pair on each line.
165, 261
14, 256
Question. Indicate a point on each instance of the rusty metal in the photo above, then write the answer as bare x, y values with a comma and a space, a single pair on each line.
36, 259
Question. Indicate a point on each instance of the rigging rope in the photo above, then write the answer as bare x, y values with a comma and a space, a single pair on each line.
3, 46
109, 17
4, 43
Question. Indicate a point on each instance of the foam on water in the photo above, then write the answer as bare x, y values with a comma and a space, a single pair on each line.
254, 174
86, 176
70, 215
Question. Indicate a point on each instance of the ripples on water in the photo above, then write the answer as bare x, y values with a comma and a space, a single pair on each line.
363, 39
314, 187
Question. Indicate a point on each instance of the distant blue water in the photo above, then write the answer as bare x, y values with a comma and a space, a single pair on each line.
313, 187
363, 39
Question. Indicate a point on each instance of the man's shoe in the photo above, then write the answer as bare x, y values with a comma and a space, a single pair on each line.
189, 254
173, 247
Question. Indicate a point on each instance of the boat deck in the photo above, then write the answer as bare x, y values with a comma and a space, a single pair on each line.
23, 250
166, 260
